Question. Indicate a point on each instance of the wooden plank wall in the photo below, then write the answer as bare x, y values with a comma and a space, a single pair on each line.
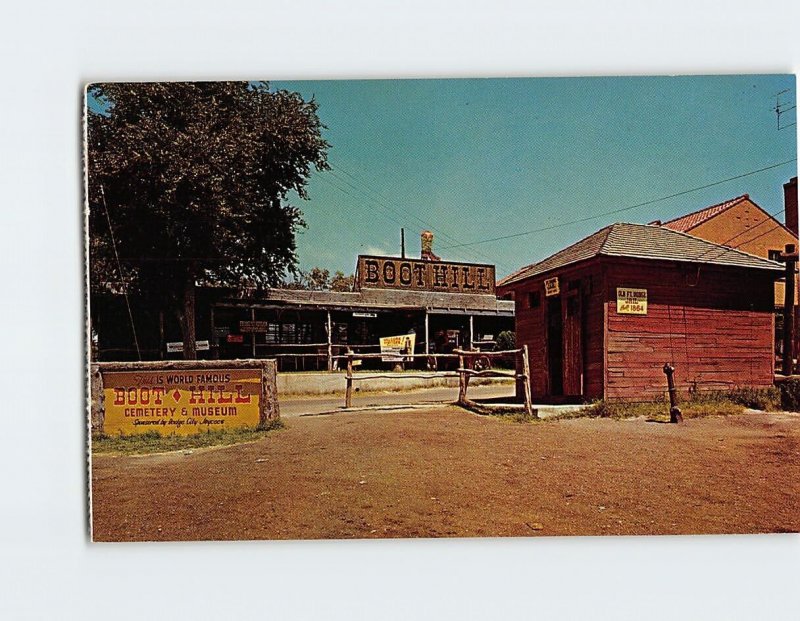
531, 326
715, 327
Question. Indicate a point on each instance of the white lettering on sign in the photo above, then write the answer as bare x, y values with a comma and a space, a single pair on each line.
176, 346
631, 301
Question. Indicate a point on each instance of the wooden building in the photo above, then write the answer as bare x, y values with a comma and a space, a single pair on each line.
742, 224
303, 329
602, 316
444, 304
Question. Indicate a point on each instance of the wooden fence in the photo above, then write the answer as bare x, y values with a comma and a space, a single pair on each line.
464, 372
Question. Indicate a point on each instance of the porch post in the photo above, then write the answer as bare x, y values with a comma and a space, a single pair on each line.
427, 336
330, 343
253, 333
471, 330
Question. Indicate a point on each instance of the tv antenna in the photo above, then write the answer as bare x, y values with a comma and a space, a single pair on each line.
782, 107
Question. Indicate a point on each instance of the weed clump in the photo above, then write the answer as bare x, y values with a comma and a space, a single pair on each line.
790, 395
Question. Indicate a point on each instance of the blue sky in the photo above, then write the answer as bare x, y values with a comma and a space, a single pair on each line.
475, 159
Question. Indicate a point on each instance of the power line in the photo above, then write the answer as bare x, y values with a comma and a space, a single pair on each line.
417, 218
622, 209
343, 191
366, 188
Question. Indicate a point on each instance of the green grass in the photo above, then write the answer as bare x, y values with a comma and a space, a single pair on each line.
658, 410
152, 442
712, 403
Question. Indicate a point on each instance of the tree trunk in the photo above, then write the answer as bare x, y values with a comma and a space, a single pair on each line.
189, 335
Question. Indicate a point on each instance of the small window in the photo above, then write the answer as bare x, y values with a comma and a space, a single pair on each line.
534, 299
774, 255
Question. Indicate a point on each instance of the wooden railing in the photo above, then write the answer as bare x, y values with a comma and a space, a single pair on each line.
463, 372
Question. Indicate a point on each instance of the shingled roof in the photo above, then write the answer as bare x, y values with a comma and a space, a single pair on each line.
685, 223
383, 299
644, 241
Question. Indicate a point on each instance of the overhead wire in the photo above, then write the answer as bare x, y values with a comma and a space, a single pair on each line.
383, 202
623, 209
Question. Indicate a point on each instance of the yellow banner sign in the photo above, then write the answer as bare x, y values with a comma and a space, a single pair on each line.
396, 346
181, 402
631, 301
551, 287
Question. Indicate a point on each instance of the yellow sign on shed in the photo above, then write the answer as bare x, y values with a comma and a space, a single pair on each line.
551, 287
631, 301
181, 402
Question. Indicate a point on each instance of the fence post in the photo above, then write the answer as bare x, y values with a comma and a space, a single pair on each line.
787, 363
462, 380
526, 371
674, 411
348, 400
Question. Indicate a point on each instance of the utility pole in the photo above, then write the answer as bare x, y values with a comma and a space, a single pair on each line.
789, 256
403, 243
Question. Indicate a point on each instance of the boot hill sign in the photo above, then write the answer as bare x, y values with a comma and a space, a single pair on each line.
183, 397
416, 275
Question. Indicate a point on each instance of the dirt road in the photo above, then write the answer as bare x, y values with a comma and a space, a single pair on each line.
450, 473
298, 405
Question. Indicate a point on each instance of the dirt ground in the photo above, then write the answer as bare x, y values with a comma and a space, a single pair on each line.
446, 472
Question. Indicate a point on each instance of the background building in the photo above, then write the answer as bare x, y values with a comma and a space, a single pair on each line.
742, 224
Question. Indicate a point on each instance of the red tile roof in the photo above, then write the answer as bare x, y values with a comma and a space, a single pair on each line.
685, 223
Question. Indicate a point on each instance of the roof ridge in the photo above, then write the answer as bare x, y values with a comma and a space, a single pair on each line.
704, 241
518, 274
731, 201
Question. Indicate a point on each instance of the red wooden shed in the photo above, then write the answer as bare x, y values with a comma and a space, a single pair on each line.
603, 316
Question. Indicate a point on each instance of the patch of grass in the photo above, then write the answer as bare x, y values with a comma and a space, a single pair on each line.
519, 417
510, 413
755, 398
659, 410
152, 442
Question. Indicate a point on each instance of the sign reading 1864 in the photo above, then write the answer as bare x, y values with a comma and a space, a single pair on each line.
416, 275
181, 402
631, 301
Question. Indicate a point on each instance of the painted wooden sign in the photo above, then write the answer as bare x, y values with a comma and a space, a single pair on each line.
394, 346
253, 326
551, 287
631, 301
417, 275
181, 402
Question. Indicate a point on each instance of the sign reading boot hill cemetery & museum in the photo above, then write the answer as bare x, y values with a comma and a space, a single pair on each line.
181, 402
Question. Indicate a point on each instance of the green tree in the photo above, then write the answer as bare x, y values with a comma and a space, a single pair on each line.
193, 179
319, 279
340, 282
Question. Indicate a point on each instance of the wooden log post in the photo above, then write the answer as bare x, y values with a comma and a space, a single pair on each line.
348, 399
270, 408
790, 257
675, 415
526, 371
462, 381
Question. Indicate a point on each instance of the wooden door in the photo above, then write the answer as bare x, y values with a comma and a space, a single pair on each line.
555, 347
573, 346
